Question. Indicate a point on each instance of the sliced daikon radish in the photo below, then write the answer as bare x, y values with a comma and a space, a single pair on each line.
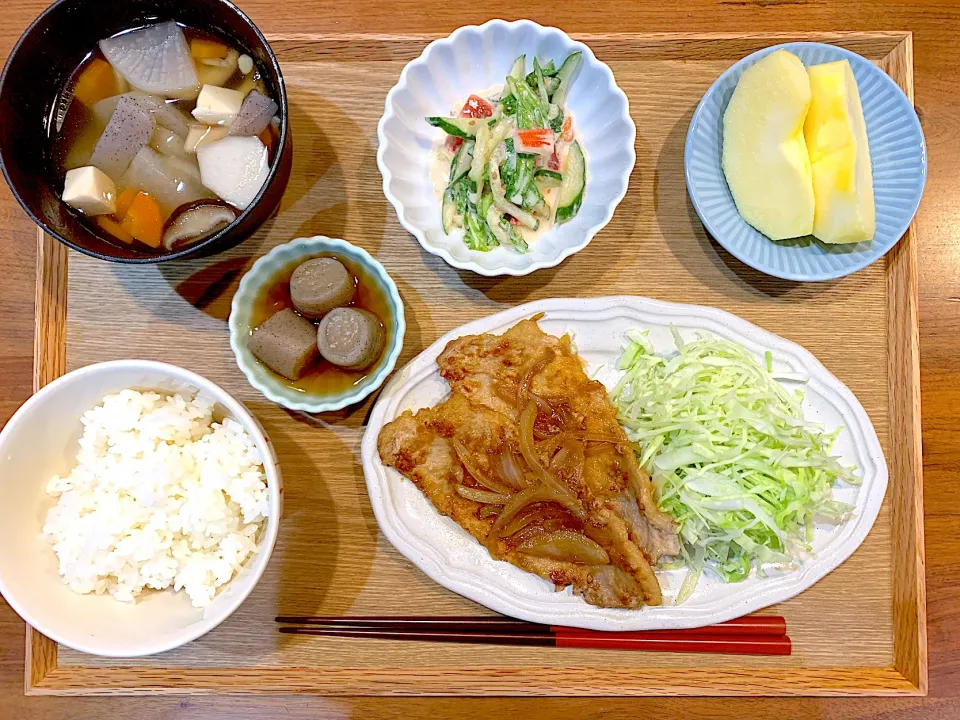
167, 142
170, 180
235, 168
255, 114
129, 130
155, 58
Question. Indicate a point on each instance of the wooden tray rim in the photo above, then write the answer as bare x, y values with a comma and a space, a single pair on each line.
907, 677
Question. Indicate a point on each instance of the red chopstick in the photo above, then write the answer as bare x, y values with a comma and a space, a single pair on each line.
752, 635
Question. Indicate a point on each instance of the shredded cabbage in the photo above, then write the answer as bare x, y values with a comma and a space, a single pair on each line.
735, 463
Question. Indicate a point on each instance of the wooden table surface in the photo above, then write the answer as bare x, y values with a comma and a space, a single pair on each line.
937, 70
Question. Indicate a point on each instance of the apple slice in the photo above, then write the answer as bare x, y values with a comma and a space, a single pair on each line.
764, 154
836, 136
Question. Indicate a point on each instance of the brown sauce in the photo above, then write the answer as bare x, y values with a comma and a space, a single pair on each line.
322, 378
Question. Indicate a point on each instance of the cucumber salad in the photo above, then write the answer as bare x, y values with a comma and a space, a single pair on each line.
515, 165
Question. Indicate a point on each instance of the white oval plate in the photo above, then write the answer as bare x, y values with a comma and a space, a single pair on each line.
468, 61
451, 557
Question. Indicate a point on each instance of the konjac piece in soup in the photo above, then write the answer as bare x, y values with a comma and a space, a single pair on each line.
169, 135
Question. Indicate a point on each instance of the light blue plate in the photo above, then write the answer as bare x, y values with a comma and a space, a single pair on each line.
898, 154
264, 271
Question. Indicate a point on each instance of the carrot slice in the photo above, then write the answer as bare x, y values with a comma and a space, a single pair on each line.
144, 220
204, 49
111, 227
124, 201
96, 82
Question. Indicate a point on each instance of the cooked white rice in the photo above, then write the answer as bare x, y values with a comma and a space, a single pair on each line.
161, 496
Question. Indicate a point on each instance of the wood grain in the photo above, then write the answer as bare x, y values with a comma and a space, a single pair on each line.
331, 560
937, 65
443, 680
910, 594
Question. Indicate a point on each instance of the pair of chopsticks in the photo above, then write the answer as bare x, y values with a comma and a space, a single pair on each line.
752, 635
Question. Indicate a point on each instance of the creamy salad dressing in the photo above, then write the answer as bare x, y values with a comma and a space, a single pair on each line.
441, 157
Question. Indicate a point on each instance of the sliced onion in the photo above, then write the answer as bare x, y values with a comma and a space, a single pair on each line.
537, 364
482, 496
573, 460
195, 221
567, 417
155, 58
556, 523
599, 438
490, 511
527, 419
530, 531
529, 479
532, 495
549, 445
566, 545
598, 449
545, 408
510, 470
475, 471
506, 393
538, 513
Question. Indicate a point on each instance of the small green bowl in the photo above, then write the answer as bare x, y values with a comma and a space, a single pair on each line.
264, 271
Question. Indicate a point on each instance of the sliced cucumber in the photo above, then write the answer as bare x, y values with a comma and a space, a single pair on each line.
448, 211
532, 199
486, 202
479, 160
461, 162
574, 181
541, 87
555, 118
518, 212
519, 65
504, 205
504, 231
565, 76
477, 234
548, 178
465, 128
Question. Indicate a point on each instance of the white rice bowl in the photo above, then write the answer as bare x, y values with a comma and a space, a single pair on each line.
161, 496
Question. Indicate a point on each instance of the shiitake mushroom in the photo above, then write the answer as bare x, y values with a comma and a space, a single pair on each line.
194, 221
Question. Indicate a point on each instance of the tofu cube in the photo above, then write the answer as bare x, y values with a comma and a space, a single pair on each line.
91, 191
200, 135
217, 105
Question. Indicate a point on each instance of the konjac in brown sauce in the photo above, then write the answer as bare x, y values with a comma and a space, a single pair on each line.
322, 378
164, 135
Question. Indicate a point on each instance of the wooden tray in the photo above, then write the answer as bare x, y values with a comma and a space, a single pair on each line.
858, 631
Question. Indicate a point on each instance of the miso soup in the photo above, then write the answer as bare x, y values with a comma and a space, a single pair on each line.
169, 134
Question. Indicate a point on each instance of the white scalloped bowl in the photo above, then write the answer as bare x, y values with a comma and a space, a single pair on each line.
471, 60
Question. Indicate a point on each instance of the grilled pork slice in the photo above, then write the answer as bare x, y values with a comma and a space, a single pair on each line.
468, 461
502, 372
